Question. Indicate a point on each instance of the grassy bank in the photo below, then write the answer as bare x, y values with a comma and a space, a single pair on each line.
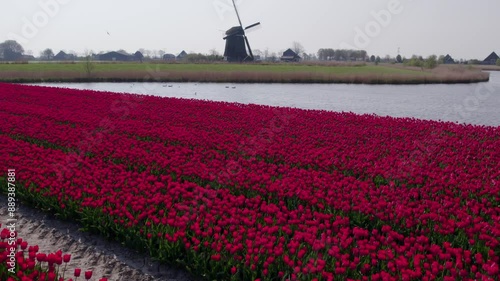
237, 73
487, 67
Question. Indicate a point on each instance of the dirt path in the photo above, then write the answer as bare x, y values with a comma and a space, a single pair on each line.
88, 251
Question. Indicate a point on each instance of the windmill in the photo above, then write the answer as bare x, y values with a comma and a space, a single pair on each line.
237, 42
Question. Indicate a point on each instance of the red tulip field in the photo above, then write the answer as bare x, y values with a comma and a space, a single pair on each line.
249, 192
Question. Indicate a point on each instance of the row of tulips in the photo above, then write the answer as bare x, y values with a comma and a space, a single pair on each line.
261, 217
21, 262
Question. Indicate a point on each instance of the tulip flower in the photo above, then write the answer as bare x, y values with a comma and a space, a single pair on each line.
77, 272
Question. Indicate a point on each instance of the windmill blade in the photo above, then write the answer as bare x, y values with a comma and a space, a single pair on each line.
237, 14
249, 49
253, 25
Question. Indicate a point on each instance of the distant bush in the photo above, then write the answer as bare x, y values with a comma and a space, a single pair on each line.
498, 62
431, 62
414, 61
474, 62
194, 58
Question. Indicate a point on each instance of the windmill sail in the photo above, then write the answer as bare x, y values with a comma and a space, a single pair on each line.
237, 14
253, 25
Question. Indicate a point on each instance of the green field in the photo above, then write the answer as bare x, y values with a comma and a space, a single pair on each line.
279, 68
222, 72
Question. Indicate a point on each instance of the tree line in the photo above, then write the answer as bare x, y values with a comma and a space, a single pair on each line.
342, 55
11, 50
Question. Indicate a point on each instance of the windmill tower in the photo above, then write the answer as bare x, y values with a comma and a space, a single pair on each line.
237, 43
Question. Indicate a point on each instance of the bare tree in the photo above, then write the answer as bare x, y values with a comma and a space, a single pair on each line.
298, 48
266, 53
213, 52
257, 52
154, 53
273, 57
88, 64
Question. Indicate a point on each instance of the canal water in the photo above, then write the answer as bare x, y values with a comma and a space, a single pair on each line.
477, 103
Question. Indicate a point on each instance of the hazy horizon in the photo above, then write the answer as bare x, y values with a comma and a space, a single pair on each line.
463, 29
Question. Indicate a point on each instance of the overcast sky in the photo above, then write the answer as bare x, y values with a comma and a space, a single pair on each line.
463, 28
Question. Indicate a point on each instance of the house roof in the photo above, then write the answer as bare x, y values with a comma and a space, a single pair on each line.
448, 59
289, 52
492, 56
115, 56
123, 52
61, 56
115, 53
290, 55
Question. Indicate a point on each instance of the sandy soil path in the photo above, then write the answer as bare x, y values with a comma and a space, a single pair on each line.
88, 251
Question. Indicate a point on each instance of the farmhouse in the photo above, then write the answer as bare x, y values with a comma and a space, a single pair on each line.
116, 56
182, 55
290, 56
62, 56
138, 56
448, 60
491, 59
